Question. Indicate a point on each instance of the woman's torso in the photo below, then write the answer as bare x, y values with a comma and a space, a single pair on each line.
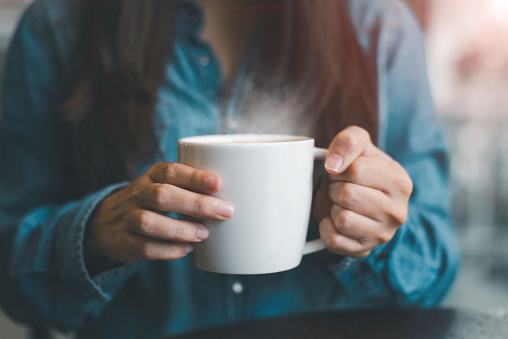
162, 298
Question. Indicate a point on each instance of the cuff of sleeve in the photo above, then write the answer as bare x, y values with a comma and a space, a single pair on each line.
362, 278
71, 256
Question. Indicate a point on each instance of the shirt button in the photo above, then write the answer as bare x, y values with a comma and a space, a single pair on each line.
204, 60
237, 287
347, 263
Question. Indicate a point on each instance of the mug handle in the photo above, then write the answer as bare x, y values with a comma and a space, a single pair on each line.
316, 245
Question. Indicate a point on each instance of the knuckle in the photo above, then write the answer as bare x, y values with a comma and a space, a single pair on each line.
203, 206
406, 186
403, 181
332, 243
357, 133
385, 237
394, 166
195, 177
361, 132
144, 222
145, 250
358, 169
326, 235
356, 129
343, 222
365, 134
349, 141
170, 171
154, 168
161, 195
179, 233
346, 194
399, 217
198, 204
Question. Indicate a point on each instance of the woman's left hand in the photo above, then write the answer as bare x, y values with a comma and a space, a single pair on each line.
369, 191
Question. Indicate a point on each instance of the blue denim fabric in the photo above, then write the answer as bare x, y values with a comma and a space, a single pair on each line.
43, 278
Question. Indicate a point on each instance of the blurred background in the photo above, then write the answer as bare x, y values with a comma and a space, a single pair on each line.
467, 50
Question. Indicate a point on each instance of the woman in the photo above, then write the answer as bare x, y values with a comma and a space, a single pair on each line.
96, 96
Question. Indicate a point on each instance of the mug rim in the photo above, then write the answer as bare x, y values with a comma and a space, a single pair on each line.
243, 139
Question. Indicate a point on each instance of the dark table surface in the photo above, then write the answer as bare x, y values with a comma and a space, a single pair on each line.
436, 323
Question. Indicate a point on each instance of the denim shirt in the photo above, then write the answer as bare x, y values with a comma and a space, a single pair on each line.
43, 278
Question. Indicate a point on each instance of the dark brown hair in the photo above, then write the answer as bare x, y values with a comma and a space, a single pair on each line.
311, 48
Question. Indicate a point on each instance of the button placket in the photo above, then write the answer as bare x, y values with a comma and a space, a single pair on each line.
208, 68
235, 286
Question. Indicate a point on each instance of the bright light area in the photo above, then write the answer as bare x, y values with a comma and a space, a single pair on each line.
500, 6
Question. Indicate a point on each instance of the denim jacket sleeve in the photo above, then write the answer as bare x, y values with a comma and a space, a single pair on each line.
418, 265
43, 278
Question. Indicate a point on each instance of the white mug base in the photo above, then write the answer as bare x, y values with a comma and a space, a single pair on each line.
244, 270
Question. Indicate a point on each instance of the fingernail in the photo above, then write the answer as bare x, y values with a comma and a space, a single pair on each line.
225, 210
334, 162
202, 233
213, 182
188, 249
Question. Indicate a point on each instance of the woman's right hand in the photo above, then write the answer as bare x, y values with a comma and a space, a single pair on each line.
129, 225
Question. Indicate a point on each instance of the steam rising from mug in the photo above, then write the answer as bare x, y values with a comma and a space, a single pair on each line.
259, 109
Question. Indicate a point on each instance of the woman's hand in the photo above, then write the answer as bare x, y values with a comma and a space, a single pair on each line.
129, 225
369, 192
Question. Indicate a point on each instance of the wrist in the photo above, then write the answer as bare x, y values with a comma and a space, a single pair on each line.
96, 263
95, 260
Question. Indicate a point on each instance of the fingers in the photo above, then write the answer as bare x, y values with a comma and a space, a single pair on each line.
186, 177
352, 234
168, 198
155, 225
355, 226
384, 175
370, 192
339, 243
365, 201
143, 248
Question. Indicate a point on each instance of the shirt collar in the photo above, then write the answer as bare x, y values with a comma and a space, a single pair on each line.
191, 17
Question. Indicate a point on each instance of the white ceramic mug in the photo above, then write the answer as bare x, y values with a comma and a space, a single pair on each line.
268, 180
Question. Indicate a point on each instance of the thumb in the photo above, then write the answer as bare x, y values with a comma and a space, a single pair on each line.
345, 148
